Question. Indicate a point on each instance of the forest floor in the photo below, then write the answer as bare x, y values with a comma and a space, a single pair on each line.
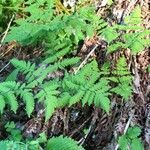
102, 128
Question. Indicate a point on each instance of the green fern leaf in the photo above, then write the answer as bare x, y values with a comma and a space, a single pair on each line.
109, 34
50, 105
103, 102
11, 98
28, 98
2, 104
24, 67
134, 17
76, 98
63, 143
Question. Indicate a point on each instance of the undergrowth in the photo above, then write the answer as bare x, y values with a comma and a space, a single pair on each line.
59, 31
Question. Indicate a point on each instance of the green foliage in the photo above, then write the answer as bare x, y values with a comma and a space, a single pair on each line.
59, 143
129, 35
60, 31
131, 139
124, 79
14, 134
12, 91
63, 143
7, 9
45, 26
85, 86
89, 85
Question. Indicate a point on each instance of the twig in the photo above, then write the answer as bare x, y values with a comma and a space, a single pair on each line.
8, 27
91, 128
4, 67
85, 60
80, 127
126, 128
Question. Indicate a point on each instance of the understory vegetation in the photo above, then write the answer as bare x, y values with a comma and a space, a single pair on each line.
85, 61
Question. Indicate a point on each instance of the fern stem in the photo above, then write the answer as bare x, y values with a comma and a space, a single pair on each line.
8, 27
85, 60
126, 128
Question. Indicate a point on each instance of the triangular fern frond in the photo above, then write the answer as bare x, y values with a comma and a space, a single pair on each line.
86, 87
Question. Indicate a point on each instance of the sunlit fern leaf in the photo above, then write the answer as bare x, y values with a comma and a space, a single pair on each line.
50, 106
2, 104
23, 66
86, 98
63, 143
64, 99
12, 145
85, 87
124, 90
109, 34
12, 101
76, 98
134, 17
102, 101
68, 62
3, 144
136, 41
28, 99
124, 79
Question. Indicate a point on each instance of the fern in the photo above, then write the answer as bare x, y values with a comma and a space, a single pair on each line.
59, 143
124, 79
28, 99
7, 95
86, 87
129, 35
63, 143
44, 26
35, 76
48, 94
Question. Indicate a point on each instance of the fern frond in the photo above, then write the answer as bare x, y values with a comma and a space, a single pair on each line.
2, 104
109, 34
12, 145
129, 35
124, 79
90, 90
63, 143
9, 85
124, 90
47, 95
22, 66
12, 101
50, 105
134, 17
101, 100
57, 56
68, 62
76, 98
28, 99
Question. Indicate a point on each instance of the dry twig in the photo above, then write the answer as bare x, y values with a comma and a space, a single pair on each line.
126, 128
6, 32
85, 60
